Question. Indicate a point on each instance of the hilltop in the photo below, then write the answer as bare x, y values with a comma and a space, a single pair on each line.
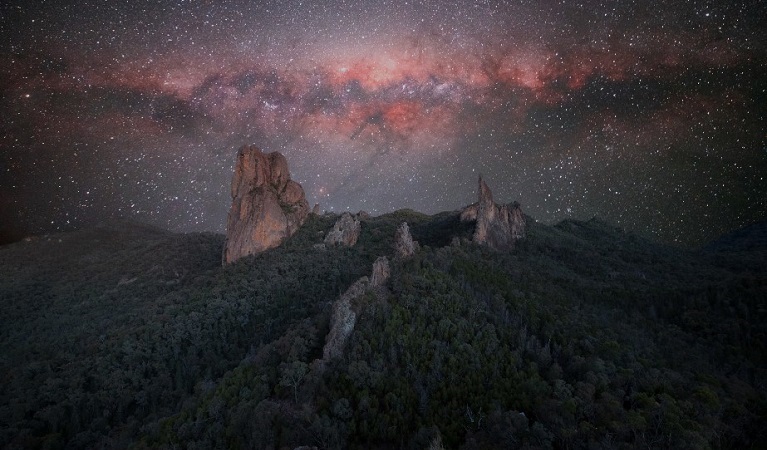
583, 336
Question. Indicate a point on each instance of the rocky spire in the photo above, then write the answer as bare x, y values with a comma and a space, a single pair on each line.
381, 272
485, 195
497, 226
486, 212
404, 245
267, 206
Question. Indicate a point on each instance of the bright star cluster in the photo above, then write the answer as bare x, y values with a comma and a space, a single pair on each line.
646, 114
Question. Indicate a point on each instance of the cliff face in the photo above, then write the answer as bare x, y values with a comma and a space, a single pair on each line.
497, 226
267, 206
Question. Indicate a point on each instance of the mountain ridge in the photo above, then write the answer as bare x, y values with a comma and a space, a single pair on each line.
154, 344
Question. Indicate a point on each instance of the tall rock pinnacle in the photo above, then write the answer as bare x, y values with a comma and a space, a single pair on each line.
404, 245
267, 206
497, 226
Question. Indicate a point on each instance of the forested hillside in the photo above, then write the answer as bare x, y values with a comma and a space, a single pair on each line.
583, 336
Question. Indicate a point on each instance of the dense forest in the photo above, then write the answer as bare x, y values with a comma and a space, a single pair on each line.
583, 336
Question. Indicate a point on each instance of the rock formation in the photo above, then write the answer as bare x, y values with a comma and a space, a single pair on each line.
346, 231
404, 245
497, 226
267, 206
381, 272
343, 319
344, 316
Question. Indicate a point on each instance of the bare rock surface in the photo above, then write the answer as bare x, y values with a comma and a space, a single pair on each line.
267, 206
347, 306
343, 319
346, 231
497, 226
381, 272
404, 245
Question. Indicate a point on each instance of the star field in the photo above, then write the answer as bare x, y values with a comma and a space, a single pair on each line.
649, 115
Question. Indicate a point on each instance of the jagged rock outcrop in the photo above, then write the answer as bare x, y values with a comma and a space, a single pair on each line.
267, 206
469, 213
344, 316
381, 272
346, 231
497, 226
404, 245
343, 319
516, 219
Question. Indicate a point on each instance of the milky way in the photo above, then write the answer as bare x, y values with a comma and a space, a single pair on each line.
649, 115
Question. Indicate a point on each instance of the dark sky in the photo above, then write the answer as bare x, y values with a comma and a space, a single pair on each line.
647, 114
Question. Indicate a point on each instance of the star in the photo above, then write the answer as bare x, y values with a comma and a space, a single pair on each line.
637, 114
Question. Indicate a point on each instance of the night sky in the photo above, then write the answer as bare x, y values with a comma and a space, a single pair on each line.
646, 114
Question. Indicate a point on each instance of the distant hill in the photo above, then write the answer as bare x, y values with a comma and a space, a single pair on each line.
752, 238
583, 336
742, 250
